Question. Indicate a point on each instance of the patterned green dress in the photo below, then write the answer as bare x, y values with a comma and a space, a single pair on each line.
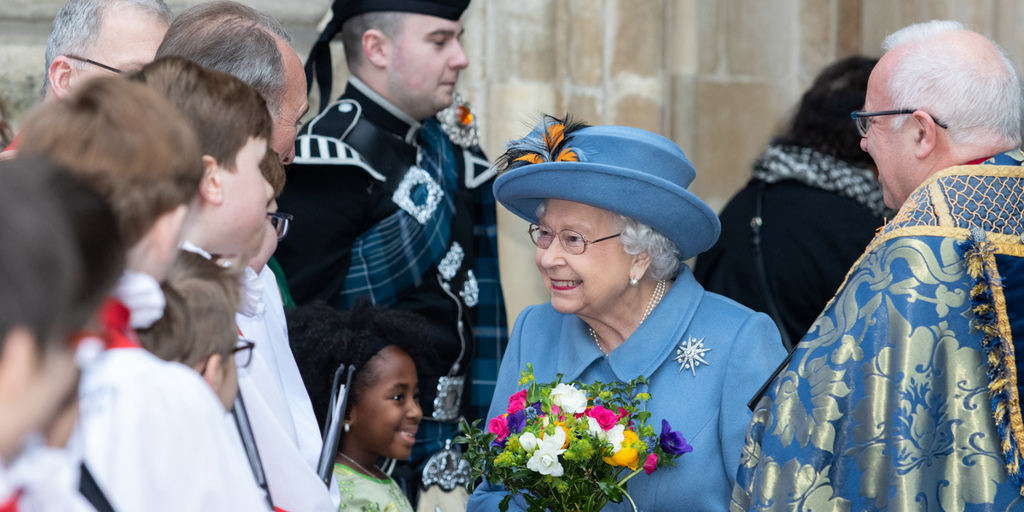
365, 494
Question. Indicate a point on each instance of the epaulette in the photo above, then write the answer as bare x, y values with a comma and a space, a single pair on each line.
312, 148
459, 123
478, 170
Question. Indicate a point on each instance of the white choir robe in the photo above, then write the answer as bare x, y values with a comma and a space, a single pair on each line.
155, 437
274, 392
47, 479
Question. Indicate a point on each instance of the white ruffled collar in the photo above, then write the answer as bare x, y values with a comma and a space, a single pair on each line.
142, 295
191, 247
251, 287
252, 304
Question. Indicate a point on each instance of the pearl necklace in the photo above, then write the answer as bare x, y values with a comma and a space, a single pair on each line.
360, 466
659, 292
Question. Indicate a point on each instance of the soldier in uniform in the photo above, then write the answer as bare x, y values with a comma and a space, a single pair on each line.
392, 200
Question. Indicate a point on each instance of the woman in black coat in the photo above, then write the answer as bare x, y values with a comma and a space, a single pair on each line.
808, 212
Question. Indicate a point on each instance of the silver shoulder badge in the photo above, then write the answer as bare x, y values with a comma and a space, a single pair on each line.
459, 123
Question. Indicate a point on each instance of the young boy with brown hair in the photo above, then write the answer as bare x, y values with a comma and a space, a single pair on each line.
229, 221
233, 126
198, 326
49, 288
50, 291
152, 432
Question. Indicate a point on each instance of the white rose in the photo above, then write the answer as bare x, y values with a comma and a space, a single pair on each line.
616, 435
554, 442
594, 428
545, 462
529, 442
569, 399
545, 459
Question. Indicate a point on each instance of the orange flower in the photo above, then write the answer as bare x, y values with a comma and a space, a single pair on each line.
627, 455
464, 115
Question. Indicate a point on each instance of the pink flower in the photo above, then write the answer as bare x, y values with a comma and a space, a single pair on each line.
516, 402
555, 411
651, 463
499, 427
622, 414
605, 418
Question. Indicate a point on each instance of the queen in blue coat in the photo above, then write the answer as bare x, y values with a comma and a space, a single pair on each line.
612, 221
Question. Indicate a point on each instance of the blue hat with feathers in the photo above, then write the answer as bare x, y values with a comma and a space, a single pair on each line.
624, 170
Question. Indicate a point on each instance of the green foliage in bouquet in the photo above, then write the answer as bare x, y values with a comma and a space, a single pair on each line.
570, 446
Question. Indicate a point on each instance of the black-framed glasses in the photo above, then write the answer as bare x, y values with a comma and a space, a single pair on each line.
243, 352
281, 223
572, 241
863, 119
94, 63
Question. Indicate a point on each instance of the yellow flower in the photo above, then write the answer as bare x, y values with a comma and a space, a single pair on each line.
527, 376
627, 455
505, 459
643, 397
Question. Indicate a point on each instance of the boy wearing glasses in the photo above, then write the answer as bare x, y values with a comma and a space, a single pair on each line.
283, 423
198, 326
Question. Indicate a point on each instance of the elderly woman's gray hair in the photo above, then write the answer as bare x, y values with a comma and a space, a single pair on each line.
638, 237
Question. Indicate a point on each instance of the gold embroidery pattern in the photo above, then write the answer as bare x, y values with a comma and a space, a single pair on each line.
886, 402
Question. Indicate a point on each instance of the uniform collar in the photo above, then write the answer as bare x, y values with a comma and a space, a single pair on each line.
647, 348
382, 112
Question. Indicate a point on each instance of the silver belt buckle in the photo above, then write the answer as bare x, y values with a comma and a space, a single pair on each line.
447, 469
449, 398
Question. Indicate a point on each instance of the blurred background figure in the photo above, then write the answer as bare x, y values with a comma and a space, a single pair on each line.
60, 256
6, 134
811, 206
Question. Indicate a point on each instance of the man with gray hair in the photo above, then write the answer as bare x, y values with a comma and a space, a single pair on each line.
241, 41
96, 37
905, 394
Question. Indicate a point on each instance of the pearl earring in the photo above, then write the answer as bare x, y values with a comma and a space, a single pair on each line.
346, 426
633, 282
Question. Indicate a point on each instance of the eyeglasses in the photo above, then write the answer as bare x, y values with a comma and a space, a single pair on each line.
281, 222
863, 119
94, 63
572, 241
243, 352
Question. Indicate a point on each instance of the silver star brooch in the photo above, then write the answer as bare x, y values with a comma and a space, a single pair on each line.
690, 354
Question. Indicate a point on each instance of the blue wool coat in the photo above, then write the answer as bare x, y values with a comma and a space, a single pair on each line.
708, 406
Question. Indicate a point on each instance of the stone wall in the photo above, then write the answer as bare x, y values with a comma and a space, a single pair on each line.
718, 77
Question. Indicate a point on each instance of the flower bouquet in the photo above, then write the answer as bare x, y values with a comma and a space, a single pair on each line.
570, 446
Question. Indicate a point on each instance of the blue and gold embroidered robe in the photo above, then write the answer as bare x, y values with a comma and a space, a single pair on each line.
903, 396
